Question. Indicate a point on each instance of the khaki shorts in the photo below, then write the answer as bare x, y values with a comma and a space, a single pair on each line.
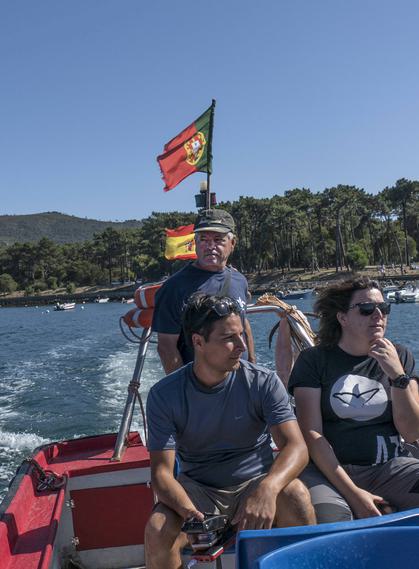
224, 501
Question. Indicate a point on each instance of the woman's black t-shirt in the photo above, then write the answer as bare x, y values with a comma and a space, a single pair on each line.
355, 402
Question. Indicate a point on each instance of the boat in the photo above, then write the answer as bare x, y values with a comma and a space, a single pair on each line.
407, 294
101, 300
127, 300
84, 503
390, 288
65, 306
296, 294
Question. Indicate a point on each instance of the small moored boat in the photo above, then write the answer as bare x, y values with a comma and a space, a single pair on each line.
65, 306
407, 294
296, 294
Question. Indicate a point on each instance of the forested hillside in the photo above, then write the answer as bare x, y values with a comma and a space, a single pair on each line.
342, 227
58, 227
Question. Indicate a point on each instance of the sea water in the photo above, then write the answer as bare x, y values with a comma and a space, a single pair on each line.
64, 374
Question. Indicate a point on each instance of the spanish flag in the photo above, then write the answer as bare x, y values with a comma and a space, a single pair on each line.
180, 243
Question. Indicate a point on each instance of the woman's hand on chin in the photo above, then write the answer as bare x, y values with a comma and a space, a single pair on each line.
387, 357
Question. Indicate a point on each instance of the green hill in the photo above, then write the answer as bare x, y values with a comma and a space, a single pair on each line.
58, 227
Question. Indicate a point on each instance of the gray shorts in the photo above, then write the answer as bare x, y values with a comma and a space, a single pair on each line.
216, 500
397, 481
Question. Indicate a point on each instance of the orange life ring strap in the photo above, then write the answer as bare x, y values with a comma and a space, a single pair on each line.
145, 295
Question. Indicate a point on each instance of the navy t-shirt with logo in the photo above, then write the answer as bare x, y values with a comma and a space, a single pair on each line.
175, 292
355, 402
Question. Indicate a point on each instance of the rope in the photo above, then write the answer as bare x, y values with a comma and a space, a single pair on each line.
47, 479
138, 339
140, 401
295, 317
134, 385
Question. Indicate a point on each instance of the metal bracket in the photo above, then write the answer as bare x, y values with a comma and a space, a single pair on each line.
70, 503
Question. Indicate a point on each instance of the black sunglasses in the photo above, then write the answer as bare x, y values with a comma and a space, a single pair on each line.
223, 306
368, 308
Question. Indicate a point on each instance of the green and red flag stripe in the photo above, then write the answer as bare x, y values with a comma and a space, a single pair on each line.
189, 151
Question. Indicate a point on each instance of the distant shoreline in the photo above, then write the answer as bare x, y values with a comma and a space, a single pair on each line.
267, 281
81, 295
275, 281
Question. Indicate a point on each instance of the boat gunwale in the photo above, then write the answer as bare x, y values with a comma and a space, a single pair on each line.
47, 450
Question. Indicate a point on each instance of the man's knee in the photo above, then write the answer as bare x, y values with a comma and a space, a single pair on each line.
294, 504
297, 492
163, 528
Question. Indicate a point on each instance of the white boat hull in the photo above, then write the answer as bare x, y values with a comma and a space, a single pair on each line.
404, 295
65, 306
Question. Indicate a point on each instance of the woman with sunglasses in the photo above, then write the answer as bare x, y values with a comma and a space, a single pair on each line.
357, 400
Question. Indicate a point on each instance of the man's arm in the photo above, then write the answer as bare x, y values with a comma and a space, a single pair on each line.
260, 507
167, 488
169, 354
250, 342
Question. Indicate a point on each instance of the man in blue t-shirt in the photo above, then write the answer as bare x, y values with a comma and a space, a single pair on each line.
215, 241
217, 415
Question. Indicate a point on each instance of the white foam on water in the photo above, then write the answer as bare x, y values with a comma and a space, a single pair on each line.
15, 381
117, 371
69, 348
20, 441
13, 449
18, 378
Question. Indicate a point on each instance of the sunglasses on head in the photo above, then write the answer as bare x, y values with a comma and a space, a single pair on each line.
368, 308
223, 306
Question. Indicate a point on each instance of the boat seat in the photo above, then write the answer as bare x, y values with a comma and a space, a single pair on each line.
252, 544
384, 547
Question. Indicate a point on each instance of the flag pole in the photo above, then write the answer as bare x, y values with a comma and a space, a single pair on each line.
211, 126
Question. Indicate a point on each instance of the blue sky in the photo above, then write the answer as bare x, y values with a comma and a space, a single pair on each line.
309, 94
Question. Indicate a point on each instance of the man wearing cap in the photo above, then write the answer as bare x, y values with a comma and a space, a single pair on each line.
215, 241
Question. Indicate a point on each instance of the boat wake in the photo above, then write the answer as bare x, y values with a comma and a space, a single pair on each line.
116, 373
14, 447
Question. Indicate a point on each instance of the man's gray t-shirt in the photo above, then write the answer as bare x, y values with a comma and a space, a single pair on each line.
220, 434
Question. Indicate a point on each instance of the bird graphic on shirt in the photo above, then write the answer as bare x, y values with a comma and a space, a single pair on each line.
357, 397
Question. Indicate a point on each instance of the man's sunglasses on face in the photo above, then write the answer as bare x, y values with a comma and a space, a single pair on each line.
368, 308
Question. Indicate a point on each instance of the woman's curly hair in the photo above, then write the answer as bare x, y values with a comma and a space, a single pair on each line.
337, 298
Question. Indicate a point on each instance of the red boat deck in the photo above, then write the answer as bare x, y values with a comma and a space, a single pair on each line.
29, 519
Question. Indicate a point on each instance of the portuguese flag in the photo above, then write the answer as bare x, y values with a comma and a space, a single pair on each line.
180, 243
189, 152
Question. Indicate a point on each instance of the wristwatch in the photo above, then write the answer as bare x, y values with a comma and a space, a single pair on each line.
401, 381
